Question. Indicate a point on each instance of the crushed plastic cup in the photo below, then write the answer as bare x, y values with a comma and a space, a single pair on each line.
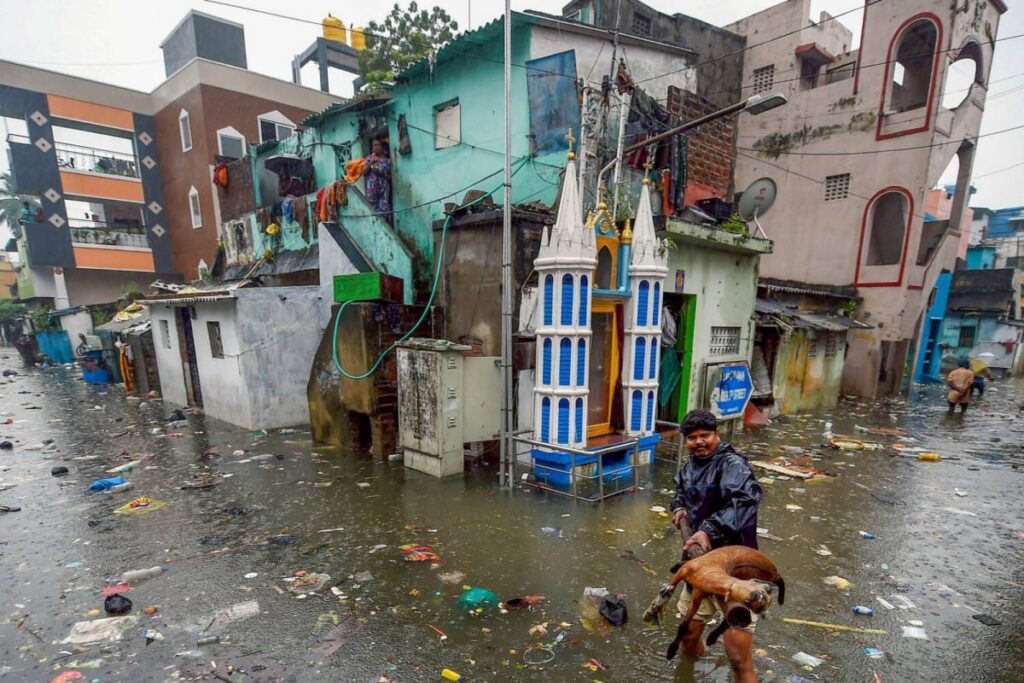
804, 659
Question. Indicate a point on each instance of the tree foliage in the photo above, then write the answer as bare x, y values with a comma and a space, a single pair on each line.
9, 310
11, 201
402, 39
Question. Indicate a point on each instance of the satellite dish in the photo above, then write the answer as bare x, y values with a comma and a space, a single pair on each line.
756, 200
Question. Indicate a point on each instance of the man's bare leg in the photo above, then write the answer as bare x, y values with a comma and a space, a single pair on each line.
693, 645
739, 645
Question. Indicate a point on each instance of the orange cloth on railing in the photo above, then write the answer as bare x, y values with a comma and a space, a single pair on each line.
220, 175
354, 170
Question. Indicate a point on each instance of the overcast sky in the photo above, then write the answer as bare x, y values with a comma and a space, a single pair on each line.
118, 41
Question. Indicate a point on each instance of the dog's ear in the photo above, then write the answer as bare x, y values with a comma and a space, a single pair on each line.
718, 631
781, 583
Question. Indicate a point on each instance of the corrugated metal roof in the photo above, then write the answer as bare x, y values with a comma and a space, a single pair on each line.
775, 311
833, 323
847, 292
360, 102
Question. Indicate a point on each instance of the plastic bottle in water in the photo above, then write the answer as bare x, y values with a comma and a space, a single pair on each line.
141, 574
120, 487
861, 609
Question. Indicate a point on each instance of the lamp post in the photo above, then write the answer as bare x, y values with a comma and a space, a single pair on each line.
754, 105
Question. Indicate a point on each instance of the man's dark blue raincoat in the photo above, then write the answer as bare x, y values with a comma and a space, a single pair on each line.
720, 495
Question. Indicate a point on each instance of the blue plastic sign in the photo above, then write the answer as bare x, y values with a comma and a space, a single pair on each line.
730, 389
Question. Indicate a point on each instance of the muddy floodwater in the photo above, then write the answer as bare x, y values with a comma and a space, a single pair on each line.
282, 561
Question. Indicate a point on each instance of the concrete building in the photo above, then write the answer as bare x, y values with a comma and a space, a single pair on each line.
242, 353
800, 343
125, 177
983, 319
865, 136
718, 80
1003, 231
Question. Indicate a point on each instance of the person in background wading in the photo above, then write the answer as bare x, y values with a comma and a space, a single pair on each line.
715, 505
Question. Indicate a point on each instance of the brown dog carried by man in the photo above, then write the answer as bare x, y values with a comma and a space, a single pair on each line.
715, 508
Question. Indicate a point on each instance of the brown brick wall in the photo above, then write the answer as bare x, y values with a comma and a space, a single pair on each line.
710, 148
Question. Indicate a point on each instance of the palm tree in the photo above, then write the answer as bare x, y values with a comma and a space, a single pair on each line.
11, 201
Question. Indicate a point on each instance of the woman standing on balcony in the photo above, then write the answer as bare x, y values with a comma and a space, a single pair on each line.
378, 177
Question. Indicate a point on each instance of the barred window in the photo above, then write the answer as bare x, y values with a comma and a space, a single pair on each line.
641, 24
725, 341
764, 78
837, 187
812, 349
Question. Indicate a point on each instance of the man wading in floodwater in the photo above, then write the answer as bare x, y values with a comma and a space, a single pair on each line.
717, 497
960, 382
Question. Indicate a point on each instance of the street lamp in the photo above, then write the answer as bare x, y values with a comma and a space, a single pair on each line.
753, 105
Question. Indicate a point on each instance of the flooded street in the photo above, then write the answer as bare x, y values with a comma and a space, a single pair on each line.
288, 556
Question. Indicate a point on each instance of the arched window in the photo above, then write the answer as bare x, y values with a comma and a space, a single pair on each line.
584, 298
656, 304
912, 59
579, 420
653, 373
887, 229
650, 411
637, 401
545, 372
963, 72
604, 269
563, 420
549, 299
581, 363
566, 316
545, 420
639, 356
565, 362
643, 293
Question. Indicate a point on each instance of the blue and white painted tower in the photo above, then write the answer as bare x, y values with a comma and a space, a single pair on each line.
648, 268
565, 266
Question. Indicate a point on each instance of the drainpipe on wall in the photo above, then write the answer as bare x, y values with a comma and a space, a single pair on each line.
625, 254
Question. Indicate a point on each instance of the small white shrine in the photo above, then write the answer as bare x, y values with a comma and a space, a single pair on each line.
598, 335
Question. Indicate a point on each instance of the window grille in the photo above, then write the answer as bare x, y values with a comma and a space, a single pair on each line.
725, 341
837, 187
764, 78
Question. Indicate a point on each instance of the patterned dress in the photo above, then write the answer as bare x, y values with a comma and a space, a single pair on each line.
378, 183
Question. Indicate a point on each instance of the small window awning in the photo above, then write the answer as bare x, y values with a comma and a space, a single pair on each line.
815, 54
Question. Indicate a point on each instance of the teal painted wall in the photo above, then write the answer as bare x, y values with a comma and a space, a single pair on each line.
476, 80
427, 178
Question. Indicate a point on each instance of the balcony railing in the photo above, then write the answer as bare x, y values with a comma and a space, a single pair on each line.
91, 160
109, 237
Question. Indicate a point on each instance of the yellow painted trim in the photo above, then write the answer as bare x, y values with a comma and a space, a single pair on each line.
613, 248
611, 361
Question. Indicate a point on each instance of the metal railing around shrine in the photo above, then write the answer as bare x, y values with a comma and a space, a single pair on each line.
589, 480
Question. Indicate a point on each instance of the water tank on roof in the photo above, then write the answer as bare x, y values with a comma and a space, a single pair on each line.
334, 29
358, 38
